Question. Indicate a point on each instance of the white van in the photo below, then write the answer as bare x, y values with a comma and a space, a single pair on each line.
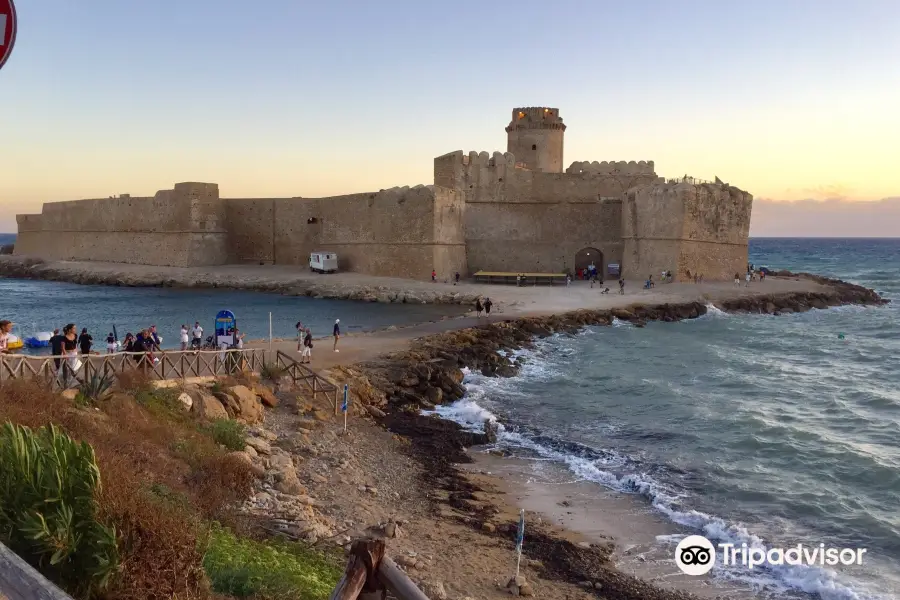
323, 262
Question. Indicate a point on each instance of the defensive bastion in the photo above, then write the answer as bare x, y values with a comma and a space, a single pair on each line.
515, 211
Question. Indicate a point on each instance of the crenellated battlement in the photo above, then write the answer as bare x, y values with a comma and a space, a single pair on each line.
643, 167
535, 117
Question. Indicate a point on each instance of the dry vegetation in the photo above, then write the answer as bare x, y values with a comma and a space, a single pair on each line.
164, 480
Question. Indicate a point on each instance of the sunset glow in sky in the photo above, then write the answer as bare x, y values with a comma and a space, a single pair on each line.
788, 100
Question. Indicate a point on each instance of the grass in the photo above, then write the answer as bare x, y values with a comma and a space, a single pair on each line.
228, 433
273, 570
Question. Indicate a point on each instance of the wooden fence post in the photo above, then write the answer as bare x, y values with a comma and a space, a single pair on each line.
361, 572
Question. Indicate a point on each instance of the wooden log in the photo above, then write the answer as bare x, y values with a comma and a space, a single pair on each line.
361, 571
21, 581
398, 582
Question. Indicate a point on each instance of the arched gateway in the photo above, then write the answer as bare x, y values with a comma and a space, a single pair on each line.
586, 257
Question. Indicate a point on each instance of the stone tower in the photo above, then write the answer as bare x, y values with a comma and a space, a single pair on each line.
535, 137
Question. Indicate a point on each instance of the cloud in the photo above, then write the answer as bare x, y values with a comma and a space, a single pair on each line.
835, 217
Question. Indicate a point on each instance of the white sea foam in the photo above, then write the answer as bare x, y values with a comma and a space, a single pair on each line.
469, 413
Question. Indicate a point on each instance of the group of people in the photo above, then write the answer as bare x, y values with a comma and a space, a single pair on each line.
305, 340
483, 306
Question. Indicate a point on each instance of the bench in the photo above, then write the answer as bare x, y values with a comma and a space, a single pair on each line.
527, 278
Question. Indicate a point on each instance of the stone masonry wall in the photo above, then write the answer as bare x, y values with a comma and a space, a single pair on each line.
687, 229
179, 227
401, 232
519, 220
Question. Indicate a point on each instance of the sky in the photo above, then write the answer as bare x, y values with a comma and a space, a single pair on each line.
792, 100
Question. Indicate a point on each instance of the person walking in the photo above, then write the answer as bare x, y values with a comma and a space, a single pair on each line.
56, 348
622, 287
197, 336
487, 307
70, 363
433, 276
737, 280
456, 278
238, 339
110, 343
478, 307
336, 332
306, 357
184, 337
85, 341
301, 332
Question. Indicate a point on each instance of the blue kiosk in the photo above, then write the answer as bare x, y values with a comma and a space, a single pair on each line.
225, 328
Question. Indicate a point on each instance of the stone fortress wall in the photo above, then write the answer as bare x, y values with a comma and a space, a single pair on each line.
180, 227
516, 211
400, 232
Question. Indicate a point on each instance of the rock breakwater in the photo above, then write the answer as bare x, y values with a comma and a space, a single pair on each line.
24, 267
430, 373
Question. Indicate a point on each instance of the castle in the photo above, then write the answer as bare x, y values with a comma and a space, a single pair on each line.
517, 211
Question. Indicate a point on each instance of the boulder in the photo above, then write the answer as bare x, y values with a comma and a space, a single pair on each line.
376, 412
287, 482
208, 406
266, 396
249, 406
260, 445
229, 403
186, 400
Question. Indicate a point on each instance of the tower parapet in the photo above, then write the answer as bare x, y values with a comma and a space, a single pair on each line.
535, 135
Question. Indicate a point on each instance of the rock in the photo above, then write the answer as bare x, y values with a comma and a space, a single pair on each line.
259, 444
376, 412
435, 395
526, 590
266, 396
434, 590
232, 407
585, 545
488, 527
264, 433
186, 400
251, 451
318, 478
208, 406
407, 561
69, 394
288, 483
389, 530
420, 566
249, 406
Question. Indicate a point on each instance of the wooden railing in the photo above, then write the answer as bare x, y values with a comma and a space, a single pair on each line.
21, 581
369, 574
56, 371
305, 377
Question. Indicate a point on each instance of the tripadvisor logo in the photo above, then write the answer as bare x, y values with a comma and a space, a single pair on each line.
695, 555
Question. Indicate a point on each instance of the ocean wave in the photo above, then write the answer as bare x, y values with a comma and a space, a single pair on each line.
627, 474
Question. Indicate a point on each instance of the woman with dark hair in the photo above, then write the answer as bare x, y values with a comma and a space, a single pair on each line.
70, 364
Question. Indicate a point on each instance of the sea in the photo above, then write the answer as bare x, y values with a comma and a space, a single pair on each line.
769, 431
35, 305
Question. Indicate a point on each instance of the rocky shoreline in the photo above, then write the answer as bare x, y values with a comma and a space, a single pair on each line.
396, 388
24, 267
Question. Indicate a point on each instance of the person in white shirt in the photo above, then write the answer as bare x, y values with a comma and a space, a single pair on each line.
197, 332
239, 336
184, 337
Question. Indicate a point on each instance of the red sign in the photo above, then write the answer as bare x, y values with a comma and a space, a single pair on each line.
7, 29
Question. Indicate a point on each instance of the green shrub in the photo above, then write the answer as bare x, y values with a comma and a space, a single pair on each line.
95, 389
229, 433
49, 485
272, 570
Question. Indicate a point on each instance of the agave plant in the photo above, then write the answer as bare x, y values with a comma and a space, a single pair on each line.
48, 507
97, 387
